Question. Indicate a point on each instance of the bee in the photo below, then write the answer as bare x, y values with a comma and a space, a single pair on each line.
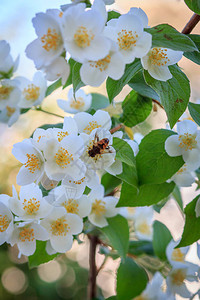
99, 147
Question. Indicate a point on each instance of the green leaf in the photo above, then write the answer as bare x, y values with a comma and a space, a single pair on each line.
71, 63
114, 87
109, 182
140, 248
113, 15
174, 93
139, 85
153, 163
136, 109
129, 175
161, 238
124, 151
176, 194
76, 79
194, 5
117, 233
47, 126
131, 280
194, 110
54, 86
99, 101
164, 35
191, 232
147, 195
40, 256
195, 55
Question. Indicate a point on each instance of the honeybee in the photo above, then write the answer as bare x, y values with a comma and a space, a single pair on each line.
99, 147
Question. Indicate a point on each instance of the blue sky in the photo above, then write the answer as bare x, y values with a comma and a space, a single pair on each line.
16, 27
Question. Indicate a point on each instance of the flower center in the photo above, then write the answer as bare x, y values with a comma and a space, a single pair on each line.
144, 228
187, 141
71, 206
98, 208
59, 227
178, 277
31, 206
61, 135
183, 169
79, 103
51, 40
32, 92
101, 64
10, 111
126, 39
82, 37
92, 125
5, 92
177, 255
33, 163
4, 223
27, 234
158, 56
80, 181
63, 158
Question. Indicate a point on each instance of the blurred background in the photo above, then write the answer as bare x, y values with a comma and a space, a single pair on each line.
66, 278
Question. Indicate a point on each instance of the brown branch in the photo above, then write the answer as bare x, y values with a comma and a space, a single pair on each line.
157, 102
118, 127
191, 24
92, 269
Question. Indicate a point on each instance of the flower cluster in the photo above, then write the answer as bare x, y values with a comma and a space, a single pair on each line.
102, 47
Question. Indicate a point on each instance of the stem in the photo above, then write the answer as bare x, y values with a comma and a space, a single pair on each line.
92, 269
116, 128
47, 112
157, 102
191, 24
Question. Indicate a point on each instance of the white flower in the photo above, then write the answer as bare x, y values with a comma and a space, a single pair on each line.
98, 152
185, 143
65, 197
32, 160
62, 158
99, 6
128, 32
153, 289
83, 34
6, 221
127, 212
176, 280
138, 12
134, 146
33, 92
176, 257
102, 207
138, 137
158, 59
59, 68
183, 177
87, 123
41, 136
9, 93
31, 205
143, 221
82, 102
25, 235
7, 65
197, 208
61, 226
94, 72
49, 44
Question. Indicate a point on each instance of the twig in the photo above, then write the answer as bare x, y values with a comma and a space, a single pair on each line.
191, 24
92, 269
102, 265
47, 112
118, 127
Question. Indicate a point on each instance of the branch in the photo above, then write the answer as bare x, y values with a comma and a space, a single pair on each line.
47, 112
191, 24
118, 127
92, 269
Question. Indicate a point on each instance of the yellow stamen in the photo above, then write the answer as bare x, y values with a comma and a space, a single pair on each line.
31, 206
71, 206
10, 111
98, 208
82, 37
177, 255
101, 64
32, 92
144, 228
126, 39
4, 223
5, 92
61, 135
33, 163
187, 141
63, 158
92, 125
51, 40
27, 234
158, 56
59, 227
178, 277
79, 103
